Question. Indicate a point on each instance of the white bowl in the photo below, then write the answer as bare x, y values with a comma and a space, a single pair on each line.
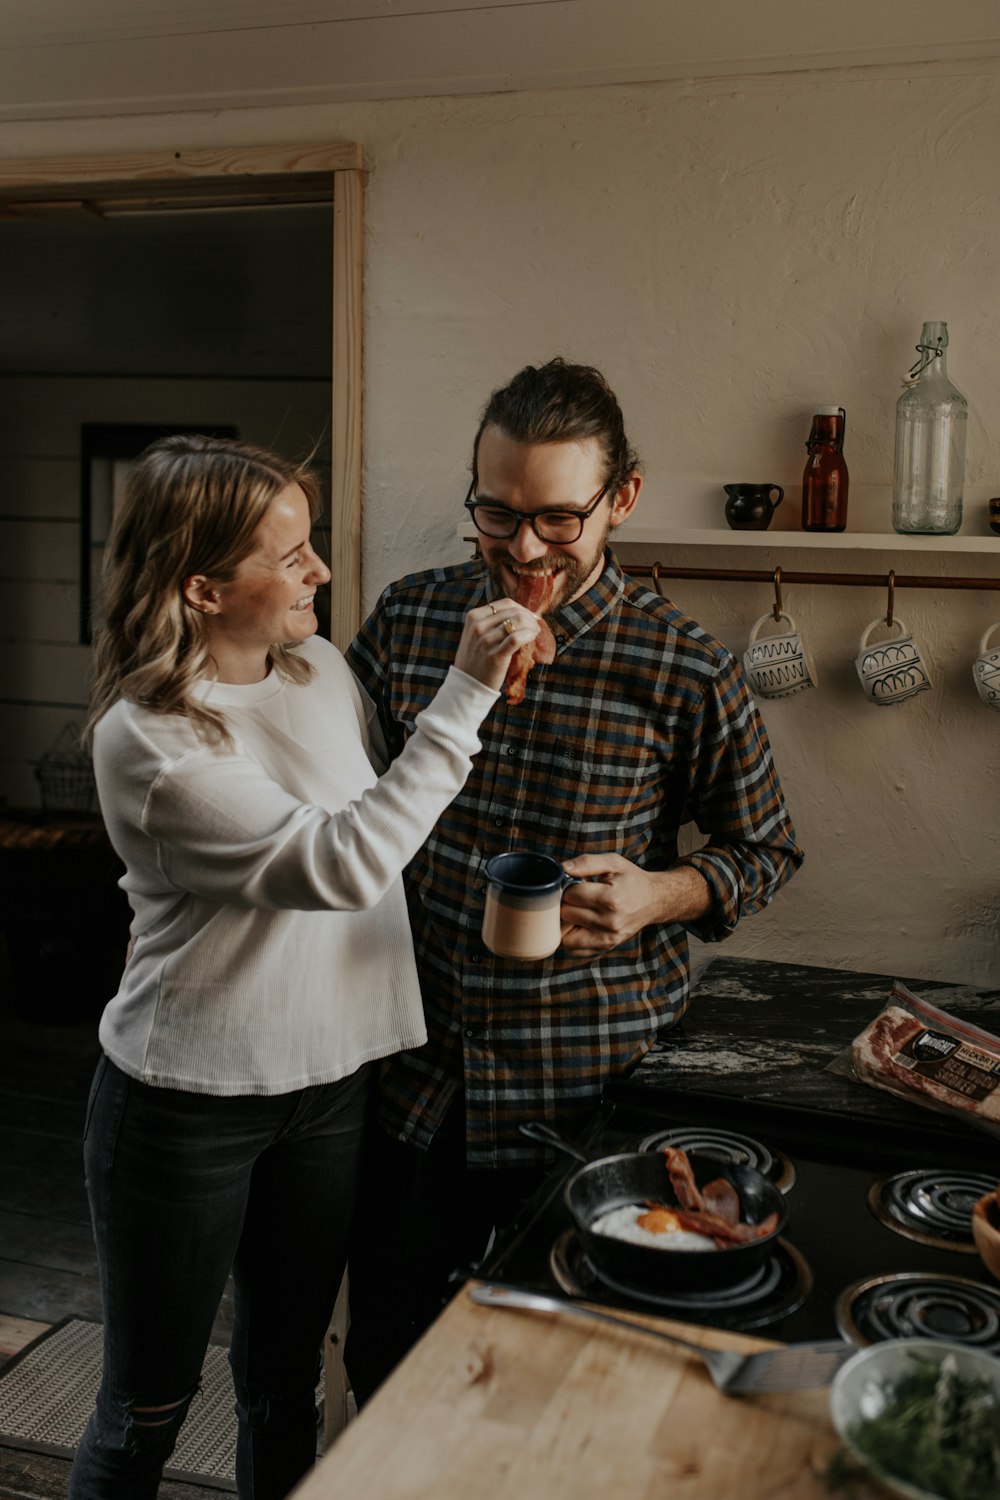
857, 1392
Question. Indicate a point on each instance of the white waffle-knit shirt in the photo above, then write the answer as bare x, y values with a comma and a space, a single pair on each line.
271, 946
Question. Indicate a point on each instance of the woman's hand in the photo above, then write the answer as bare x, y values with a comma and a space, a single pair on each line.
491, 635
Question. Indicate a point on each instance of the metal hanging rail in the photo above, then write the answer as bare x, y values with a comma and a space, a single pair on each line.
846, 580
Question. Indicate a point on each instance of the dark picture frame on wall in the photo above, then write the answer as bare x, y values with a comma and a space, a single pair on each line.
107, 450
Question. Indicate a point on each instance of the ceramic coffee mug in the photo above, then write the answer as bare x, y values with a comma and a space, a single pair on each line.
523, 897
891, 669
986, 671
779, 664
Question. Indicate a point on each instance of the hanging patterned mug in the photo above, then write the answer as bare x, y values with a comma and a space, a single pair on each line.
986, 670
891, 669
778, 664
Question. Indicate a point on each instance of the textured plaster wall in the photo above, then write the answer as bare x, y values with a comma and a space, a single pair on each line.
730, 254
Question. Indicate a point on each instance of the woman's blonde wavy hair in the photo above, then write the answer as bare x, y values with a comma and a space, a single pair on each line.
191, 505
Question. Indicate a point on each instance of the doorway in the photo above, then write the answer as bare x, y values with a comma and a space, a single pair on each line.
206, 289
137, 292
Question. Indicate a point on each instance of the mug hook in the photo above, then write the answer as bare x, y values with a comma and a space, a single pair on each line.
892, 592
656, 579
777, 594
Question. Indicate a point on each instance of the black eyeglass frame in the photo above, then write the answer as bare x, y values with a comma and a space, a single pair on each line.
520, 517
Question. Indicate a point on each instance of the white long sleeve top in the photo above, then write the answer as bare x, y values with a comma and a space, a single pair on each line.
271, 947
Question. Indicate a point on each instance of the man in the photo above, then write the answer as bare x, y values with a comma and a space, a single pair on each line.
640, 723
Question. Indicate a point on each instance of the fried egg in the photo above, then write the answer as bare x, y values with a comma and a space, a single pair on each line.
655, 1228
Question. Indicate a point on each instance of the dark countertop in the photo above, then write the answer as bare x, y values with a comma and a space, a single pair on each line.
768, 1031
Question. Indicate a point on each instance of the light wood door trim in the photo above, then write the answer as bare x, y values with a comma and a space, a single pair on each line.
31, 173
345, 472
41, 180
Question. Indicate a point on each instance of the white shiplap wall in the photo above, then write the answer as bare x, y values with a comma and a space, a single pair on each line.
43, 666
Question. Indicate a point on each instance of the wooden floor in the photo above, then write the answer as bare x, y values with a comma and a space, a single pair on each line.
48, 1269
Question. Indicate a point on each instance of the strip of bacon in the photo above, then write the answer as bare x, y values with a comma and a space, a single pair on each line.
534, 591
722, 1198
682, 1180
723, 1233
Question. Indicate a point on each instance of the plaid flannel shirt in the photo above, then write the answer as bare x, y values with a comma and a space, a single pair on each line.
641, 723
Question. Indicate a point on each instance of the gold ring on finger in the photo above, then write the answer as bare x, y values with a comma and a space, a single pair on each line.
508, 625
493, 608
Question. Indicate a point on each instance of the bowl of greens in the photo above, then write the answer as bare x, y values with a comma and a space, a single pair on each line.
922, 1417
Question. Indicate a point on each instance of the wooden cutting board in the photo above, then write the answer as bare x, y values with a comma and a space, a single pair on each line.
531, 1406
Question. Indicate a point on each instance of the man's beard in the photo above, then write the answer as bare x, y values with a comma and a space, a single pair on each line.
572, 574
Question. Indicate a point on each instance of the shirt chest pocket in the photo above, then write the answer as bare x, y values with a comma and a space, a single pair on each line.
610, 797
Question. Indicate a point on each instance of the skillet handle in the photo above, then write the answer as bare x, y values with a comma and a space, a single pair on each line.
535, 1131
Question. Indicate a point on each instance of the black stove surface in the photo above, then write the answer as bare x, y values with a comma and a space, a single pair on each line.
773, 1291
833, 1237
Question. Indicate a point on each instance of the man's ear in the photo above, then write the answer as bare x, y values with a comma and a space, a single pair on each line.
201, 594
625, 498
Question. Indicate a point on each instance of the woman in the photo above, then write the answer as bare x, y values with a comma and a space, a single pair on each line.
271, 959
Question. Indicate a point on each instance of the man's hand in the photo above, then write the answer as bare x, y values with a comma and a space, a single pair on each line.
615, 898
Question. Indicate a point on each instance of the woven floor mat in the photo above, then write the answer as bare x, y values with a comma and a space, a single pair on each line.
47, 1393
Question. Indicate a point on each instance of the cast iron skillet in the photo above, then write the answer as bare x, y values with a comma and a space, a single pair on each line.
612, 1182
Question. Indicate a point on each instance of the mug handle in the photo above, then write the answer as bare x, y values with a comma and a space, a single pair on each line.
754, 629
781, 494
879, 620
983, 647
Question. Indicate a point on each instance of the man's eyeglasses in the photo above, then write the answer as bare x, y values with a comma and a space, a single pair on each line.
560, 527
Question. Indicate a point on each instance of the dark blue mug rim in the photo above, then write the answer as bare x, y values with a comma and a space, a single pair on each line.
517, 871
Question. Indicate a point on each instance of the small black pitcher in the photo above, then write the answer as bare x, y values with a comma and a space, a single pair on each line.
750, 506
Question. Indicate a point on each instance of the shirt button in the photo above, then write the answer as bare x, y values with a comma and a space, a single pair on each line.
498, 822
511, 750
476, 1033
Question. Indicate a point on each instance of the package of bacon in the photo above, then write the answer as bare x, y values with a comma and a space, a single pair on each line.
926, 1056
534, 591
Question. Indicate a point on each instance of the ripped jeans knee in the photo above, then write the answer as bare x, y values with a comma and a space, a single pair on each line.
156, 1424
127, 1439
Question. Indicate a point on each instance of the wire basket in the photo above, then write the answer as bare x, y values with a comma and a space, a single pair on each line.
65, 775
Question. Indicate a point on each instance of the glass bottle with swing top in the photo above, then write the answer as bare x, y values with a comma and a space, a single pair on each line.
824, 481
929, 464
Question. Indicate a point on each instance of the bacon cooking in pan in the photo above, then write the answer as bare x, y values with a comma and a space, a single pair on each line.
722, 1232
722, 1199
713, 1210
682, 1180
534, 591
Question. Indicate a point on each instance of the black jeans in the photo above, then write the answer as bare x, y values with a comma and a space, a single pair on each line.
421, 1216
184, 1187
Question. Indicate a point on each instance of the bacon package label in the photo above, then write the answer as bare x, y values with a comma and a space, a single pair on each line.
922, 1054
534, 591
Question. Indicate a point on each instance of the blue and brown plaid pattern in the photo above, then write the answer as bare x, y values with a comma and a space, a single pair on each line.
641, 724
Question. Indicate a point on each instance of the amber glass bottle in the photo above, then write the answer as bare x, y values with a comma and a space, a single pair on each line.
824, 482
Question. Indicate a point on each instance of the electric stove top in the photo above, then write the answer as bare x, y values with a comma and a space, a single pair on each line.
877, 1244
